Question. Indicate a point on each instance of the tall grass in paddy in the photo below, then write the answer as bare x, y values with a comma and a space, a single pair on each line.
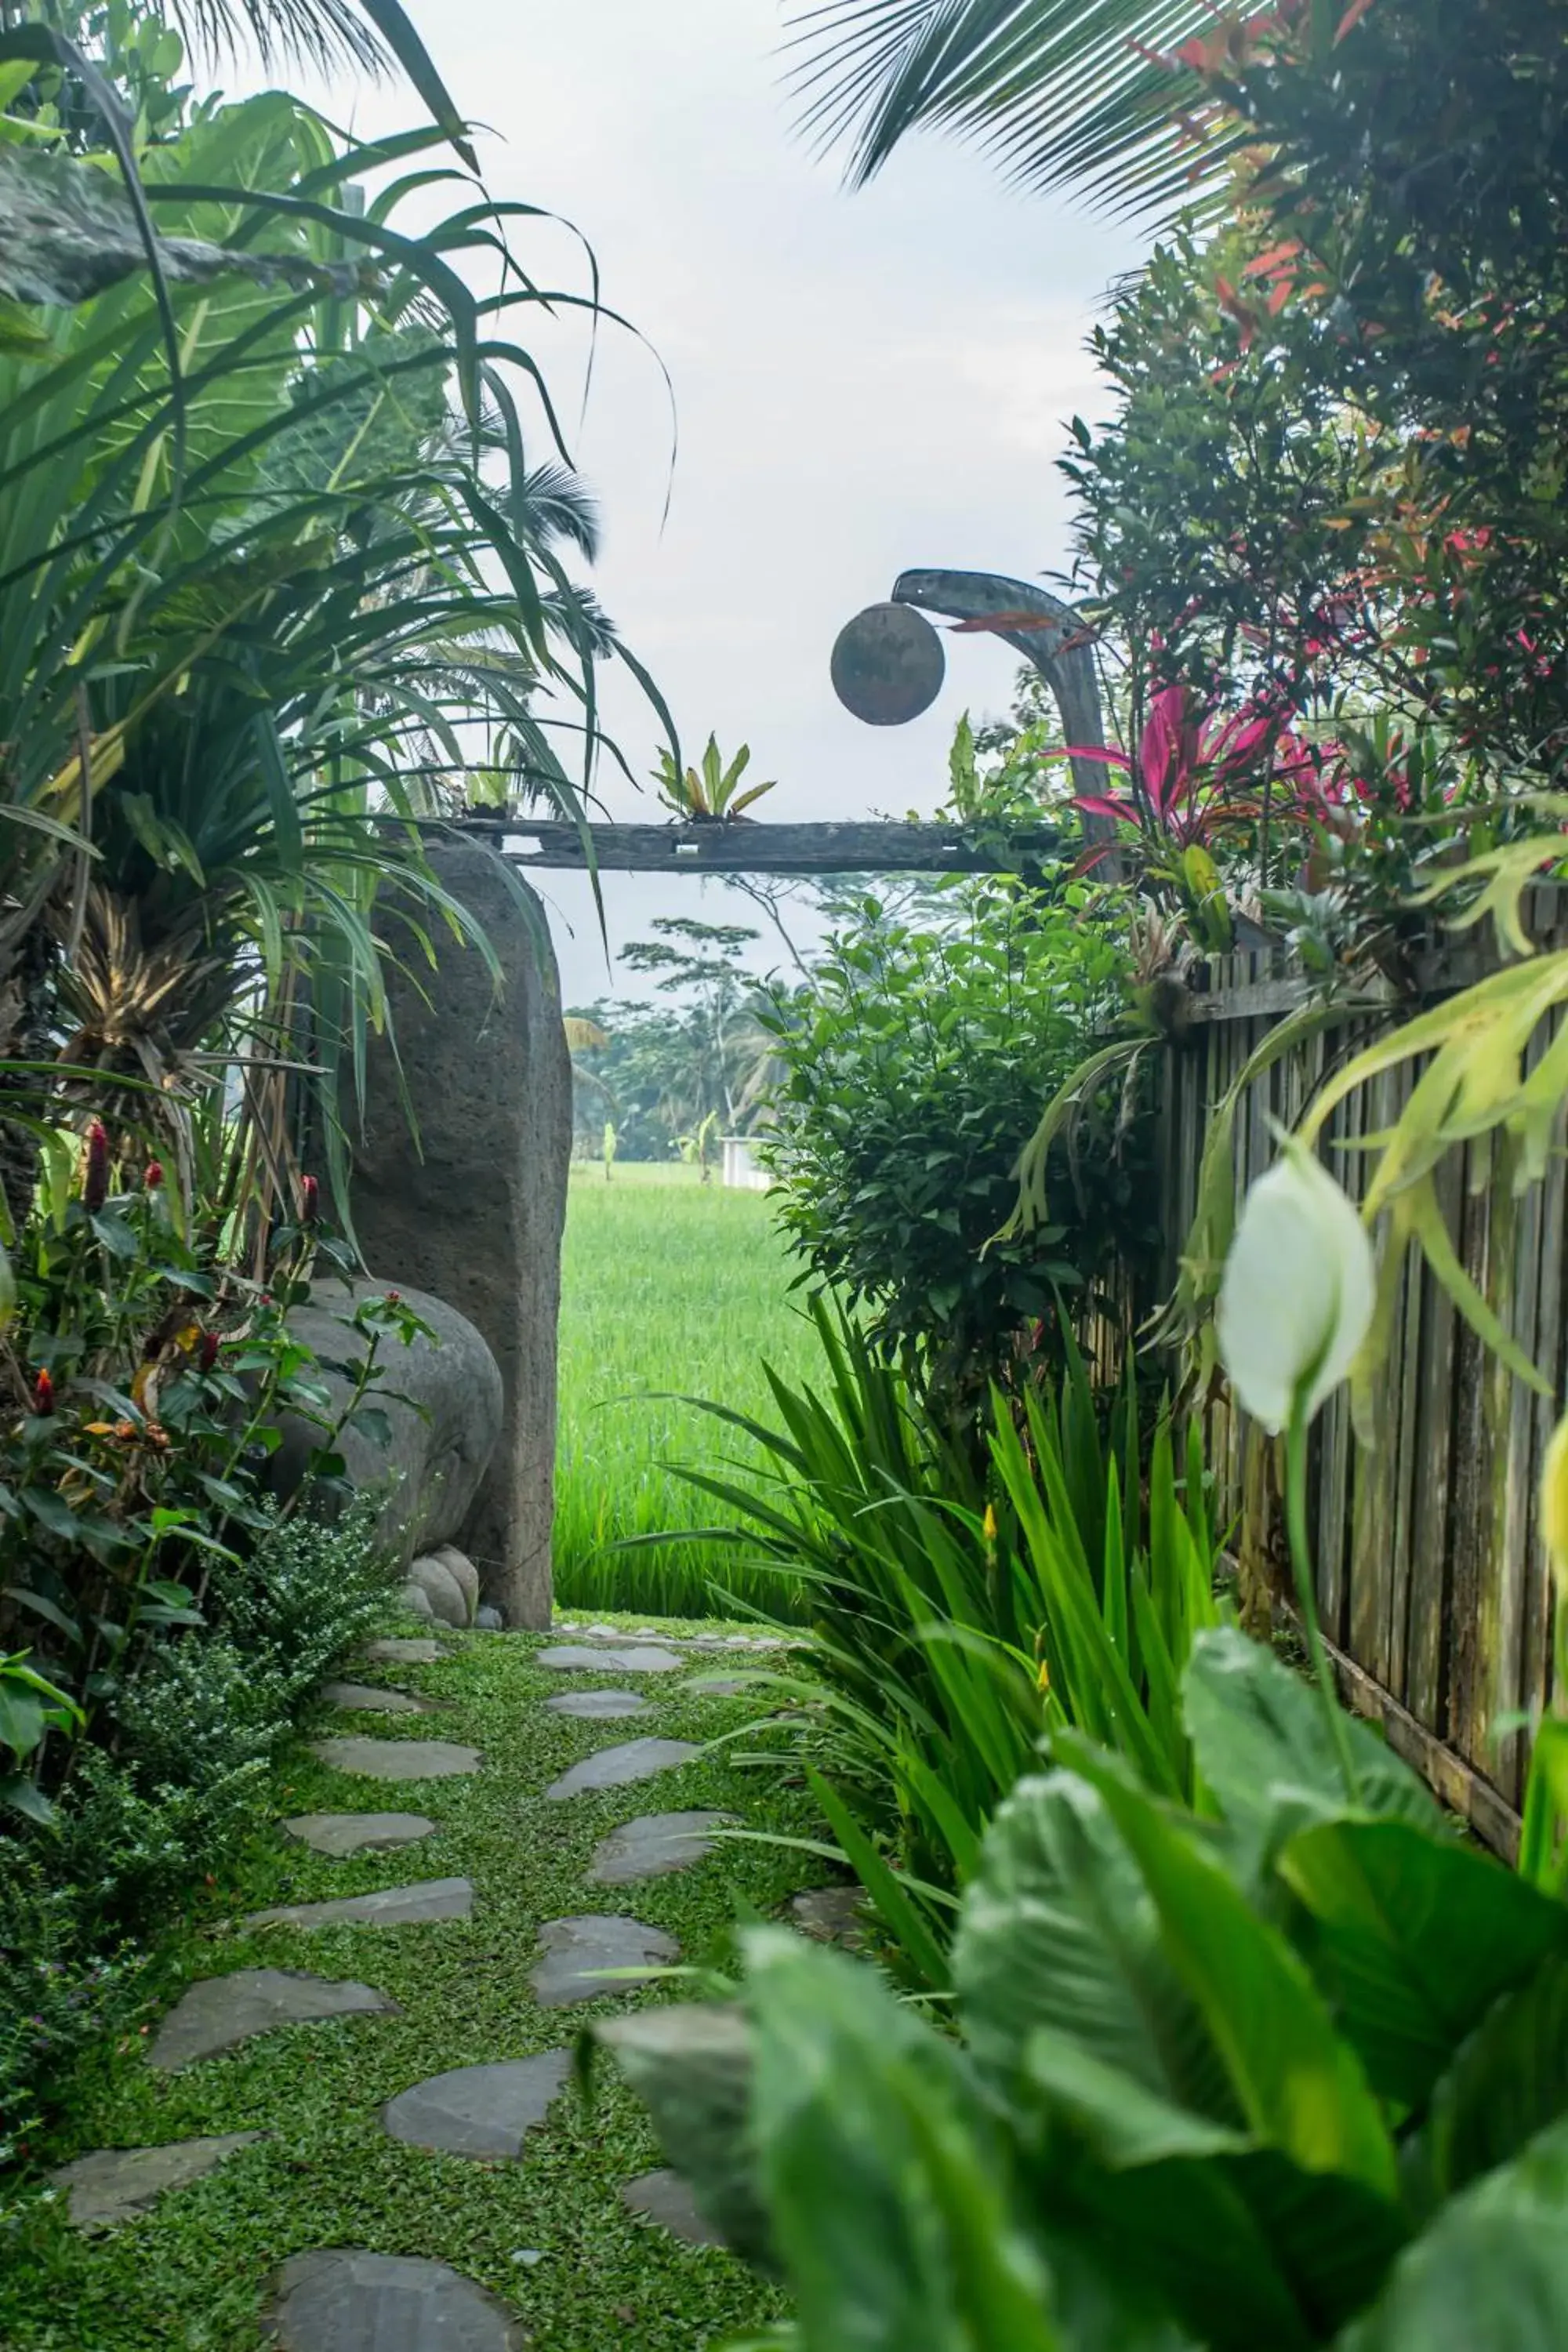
670, 1288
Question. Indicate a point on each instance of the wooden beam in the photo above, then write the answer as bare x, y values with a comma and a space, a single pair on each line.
1459, 1785
738, 847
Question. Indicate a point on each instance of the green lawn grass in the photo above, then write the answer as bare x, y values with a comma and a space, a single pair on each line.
190, 2276
670, 1288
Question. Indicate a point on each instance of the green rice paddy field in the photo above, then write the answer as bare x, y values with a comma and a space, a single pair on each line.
670, 1288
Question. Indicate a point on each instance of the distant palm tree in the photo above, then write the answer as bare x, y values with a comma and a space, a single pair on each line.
1061, 91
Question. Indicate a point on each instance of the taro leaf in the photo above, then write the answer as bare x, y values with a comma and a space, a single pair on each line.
1413, 1937
1491, 2273
71, 230
1300, 2086
1265, 1751
1058, 1931
1508, 2082
692, 2066
883, 2166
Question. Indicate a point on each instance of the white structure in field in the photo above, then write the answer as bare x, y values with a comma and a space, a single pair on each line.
741, 1172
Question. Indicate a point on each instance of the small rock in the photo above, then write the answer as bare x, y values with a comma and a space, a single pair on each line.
488, 1620
606, 1633
580, 1954
478, 2110
220, 2012
529, 2256
646, 1634
463, 1574
345, 1834
415, 1601
367, 1698
596, 1705
348, 2301
665, 2198
618, 1768
716, 1686
397, 1759
388, 1907
831, 1914
106, 2187
652, 1846
401, 1653
577, 1659
448, 1603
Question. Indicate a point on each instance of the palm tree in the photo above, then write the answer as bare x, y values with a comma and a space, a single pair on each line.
1061, 91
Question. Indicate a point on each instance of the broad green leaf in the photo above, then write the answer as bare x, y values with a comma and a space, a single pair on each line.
1266, 1753
1058, 1931
1508, 2081
1490, 2274
1413, 1937
885, 2174
692, 2066
1123, 2122
1301, 2088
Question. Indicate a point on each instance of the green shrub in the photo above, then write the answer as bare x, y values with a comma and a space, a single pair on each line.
915, 1068
1292, 2073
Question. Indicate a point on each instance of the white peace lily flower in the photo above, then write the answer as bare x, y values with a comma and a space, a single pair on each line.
1298, 1291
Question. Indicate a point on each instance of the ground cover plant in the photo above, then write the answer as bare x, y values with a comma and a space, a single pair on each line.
672, 1289
548, 2234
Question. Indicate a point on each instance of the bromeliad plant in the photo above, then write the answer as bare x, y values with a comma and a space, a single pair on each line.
1287, 2071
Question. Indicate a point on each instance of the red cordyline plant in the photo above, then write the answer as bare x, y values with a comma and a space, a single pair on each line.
1188, 764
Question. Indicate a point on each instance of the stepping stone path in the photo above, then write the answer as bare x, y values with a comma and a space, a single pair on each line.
398, 1652
714, 1686
116, 2182
618, 1768
397, 1759
665, 2198
831, 1914
652, 1846
389, 1907
221, 2011
478, 2110
578, 1954
345, 1834
350, 2302
597, 1706
575, 1658
365, 1698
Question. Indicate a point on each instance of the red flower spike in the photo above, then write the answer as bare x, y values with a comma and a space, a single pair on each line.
206, 1351
43, 1394
95, 1178
152, 1176
310, 1199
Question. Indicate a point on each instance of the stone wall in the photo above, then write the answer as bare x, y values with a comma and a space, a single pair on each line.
474, 1212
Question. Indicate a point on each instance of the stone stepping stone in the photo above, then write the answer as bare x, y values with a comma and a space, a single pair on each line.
388, 1907
223, 2011
578, 1953
115, 2182
831, 1914
345, 1833
365, 1699
397, 1759
479, 2110
345, 2301
664, 2198
402, 1651
652, 1846
577, 1658
597, 1706
617, 1767
715, 1685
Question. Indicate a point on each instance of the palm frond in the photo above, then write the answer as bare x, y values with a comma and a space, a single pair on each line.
1060, 92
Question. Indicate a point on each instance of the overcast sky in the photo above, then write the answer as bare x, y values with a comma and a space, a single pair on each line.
862, 383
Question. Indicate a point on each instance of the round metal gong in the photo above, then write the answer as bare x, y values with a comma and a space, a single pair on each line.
888, 665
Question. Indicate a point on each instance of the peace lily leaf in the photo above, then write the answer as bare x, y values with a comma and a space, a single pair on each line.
1491, 2272
1414, 1937
1508, 2081
1123, 2122
1265, 1752
693, 2064
884, 2172
1300, 2087
1058, 1933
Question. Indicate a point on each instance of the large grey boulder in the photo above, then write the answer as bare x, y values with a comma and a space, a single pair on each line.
442, 1403
474, 1211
